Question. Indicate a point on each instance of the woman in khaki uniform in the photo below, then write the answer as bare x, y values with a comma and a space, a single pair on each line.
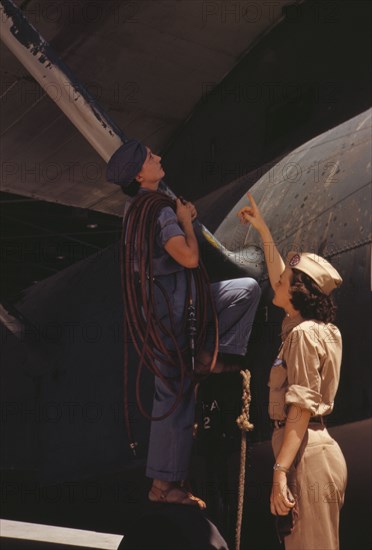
310, 472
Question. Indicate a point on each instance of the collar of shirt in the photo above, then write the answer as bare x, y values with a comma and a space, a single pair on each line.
289, 323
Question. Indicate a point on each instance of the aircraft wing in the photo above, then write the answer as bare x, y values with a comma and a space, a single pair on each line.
148, 64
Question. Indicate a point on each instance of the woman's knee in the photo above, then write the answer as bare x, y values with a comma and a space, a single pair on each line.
252, 288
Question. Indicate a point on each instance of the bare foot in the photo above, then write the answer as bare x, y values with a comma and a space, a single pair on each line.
173, 493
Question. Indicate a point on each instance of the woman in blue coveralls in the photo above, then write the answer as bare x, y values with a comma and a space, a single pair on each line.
138, 170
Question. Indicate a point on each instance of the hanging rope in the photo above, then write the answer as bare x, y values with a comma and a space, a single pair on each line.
141, 322
245, 425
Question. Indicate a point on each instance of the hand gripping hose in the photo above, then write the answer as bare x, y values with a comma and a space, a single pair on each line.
141, 321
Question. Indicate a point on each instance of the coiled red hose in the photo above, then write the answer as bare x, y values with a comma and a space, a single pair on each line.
140, 317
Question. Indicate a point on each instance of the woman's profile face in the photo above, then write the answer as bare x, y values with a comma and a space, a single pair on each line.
152, 170
282, 291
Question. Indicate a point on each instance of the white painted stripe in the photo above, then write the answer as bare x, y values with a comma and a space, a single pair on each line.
81, 109
62, 535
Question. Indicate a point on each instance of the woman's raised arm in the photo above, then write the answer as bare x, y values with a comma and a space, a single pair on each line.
274, 262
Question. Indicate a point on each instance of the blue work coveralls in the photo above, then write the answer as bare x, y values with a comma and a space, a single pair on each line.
236, 302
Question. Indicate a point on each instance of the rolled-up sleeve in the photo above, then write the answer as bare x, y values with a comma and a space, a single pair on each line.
303, 363
168, 226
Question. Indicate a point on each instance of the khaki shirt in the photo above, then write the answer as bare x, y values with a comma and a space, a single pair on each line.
306, 371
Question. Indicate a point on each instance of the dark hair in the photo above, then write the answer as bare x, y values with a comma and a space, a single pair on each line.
131, 189
309, 300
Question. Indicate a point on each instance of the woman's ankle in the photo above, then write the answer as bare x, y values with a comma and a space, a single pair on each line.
162, 484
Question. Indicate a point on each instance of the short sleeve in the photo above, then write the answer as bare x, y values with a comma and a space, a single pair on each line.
168, 226
303, 365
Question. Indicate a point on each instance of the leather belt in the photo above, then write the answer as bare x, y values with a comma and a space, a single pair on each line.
275, 424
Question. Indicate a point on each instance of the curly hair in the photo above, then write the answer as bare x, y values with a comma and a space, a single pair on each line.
309, 300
